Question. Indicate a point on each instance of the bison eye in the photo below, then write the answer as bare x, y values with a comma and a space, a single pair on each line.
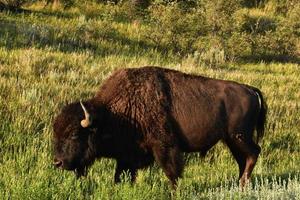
74, 136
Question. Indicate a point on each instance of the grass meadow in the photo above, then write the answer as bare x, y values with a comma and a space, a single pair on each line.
50, 58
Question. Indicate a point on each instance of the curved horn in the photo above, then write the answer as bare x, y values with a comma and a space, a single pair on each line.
87, 121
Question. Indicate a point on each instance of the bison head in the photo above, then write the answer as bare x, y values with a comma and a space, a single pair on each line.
73, 138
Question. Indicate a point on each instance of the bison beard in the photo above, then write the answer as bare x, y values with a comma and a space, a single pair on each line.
151, 113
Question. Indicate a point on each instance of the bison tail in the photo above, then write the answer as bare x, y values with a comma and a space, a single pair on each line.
262, 116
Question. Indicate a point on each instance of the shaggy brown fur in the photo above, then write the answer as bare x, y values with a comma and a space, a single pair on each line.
150, 113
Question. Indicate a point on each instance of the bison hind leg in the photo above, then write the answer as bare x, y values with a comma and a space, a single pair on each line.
237, 154
253, 151
245, 152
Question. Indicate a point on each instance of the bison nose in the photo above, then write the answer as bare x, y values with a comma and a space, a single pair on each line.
57, 163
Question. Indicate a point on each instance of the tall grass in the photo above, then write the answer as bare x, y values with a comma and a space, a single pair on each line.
50, 58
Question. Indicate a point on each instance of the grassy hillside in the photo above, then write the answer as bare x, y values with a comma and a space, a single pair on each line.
49, 58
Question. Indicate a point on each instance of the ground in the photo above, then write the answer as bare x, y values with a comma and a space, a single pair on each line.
49, 58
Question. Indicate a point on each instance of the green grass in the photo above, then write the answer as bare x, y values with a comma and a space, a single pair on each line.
50, 58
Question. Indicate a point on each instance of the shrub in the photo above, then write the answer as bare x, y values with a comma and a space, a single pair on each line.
202, 30
280, 7
140, 3
14, 4
219, 16
210, 50
61, 3
288, 33
253, 22
238, 46
174, 29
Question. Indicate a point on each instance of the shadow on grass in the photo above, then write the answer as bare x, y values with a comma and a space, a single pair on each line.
270, 58
46, 12
16, 35
50, 13
4, 7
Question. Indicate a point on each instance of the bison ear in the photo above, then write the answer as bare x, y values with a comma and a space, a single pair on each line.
88, 120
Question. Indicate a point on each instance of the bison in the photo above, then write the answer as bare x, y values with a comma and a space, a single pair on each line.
144, 114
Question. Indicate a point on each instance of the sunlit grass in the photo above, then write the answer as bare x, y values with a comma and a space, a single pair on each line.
47, 60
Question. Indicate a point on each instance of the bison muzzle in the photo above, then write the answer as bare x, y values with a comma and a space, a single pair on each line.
144, 114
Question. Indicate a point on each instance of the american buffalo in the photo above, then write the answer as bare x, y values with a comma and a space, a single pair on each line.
144, 114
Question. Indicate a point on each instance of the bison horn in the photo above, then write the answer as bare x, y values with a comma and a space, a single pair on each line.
87, 121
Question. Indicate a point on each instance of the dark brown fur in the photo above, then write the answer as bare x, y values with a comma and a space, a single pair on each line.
150, 113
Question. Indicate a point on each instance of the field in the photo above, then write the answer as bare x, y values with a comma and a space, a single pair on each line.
50, 58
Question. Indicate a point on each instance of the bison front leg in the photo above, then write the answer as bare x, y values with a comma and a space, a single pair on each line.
124, 167
170, 159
